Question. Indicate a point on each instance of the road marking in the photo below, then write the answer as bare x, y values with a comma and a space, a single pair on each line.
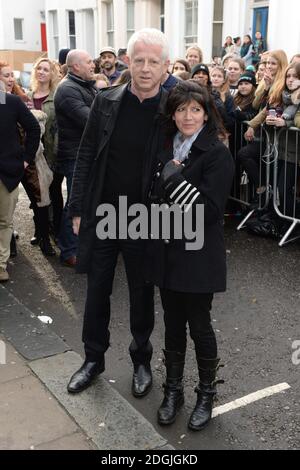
246, 400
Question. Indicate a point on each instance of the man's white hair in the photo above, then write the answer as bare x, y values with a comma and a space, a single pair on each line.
151, 37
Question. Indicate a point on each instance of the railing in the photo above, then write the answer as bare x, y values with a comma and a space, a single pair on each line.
278, 150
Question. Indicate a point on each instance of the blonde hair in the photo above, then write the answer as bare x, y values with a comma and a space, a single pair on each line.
195, 48
224, 90
54, 78
279, 80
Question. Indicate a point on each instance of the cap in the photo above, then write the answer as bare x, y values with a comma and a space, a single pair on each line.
122, 51
248, 77
200, 68
108, 49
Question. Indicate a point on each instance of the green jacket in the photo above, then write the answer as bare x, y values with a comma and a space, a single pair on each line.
50, 136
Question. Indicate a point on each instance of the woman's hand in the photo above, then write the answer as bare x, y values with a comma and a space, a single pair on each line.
172, 168
268, 79
249, 134
275, 121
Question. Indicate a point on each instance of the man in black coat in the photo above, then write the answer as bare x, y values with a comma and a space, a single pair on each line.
73, 100
13, 160
116, 158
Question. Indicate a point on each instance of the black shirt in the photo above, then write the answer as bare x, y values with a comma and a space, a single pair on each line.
127, 150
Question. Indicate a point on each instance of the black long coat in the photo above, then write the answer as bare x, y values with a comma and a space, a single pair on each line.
169, 264
91, 163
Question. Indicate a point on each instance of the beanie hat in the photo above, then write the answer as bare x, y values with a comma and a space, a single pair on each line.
62, 56
250, 68
201, 68
248, 77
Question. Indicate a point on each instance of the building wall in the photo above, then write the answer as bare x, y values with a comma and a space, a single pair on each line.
86, 21
30, 12
284, 32
237, 21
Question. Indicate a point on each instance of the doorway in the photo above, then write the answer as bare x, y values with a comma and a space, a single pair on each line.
260, 21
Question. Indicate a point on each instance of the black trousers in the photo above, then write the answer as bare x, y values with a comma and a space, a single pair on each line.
96, 333
249, 157
180, 309
57, 201
286, 187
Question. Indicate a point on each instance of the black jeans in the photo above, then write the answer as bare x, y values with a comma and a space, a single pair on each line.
249, 159
97, 312
180, 309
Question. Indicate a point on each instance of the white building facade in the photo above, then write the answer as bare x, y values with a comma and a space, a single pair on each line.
22, 25
72, 24
92, 24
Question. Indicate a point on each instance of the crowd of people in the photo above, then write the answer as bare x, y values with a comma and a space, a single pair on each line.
133, 124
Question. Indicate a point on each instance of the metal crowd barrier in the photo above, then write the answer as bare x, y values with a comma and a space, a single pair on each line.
278, 147
286, 200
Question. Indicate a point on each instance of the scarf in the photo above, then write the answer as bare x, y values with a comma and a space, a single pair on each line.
182, 145
244, 49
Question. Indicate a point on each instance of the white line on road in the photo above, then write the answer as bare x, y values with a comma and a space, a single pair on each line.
244, 401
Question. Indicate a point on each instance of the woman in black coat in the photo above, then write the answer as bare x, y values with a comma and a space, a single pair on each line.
196, 170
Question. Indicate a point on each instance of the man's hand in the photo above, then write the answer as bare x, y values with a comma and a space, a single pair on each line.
26, 165
76, 225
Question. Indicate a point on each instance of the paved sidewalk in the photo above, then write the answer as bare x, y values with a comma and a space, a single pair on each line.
30, 417
36, 411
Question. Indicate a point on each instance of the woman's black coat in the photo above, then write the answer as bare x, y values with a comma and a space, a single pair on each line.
169, 265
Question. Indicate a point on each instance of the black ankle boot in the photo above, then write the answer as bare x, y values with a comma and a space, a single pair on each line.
46, 247
206, 392
173, 388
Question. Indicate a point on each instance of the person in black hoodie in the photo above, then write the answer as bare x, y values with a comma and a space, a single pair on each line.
73, 100
13, 161
195, 169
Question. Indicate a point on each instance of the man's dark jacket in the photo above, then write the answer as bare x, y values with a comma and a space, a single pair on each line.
73, 100
12, 154
90, 169
168, 264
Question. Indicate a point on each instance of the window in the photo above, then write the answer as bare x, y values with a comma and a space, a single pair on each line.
54, 32
218, 27
18, 28
110, 23
162, 15
130, 4
72, 29
191, 22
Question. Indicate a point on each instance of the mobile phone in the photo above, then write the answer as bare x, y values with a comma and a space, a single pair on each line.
272, 112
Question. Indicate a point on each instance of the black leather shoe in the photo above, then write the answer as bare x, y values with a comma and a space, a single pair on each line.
84, 377
46, 247
142, 380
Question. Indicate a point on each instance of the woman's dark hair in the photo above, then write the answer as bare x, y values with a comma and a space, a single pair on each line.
185, 92
124, 78
244, 101
184, 63
249, 37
